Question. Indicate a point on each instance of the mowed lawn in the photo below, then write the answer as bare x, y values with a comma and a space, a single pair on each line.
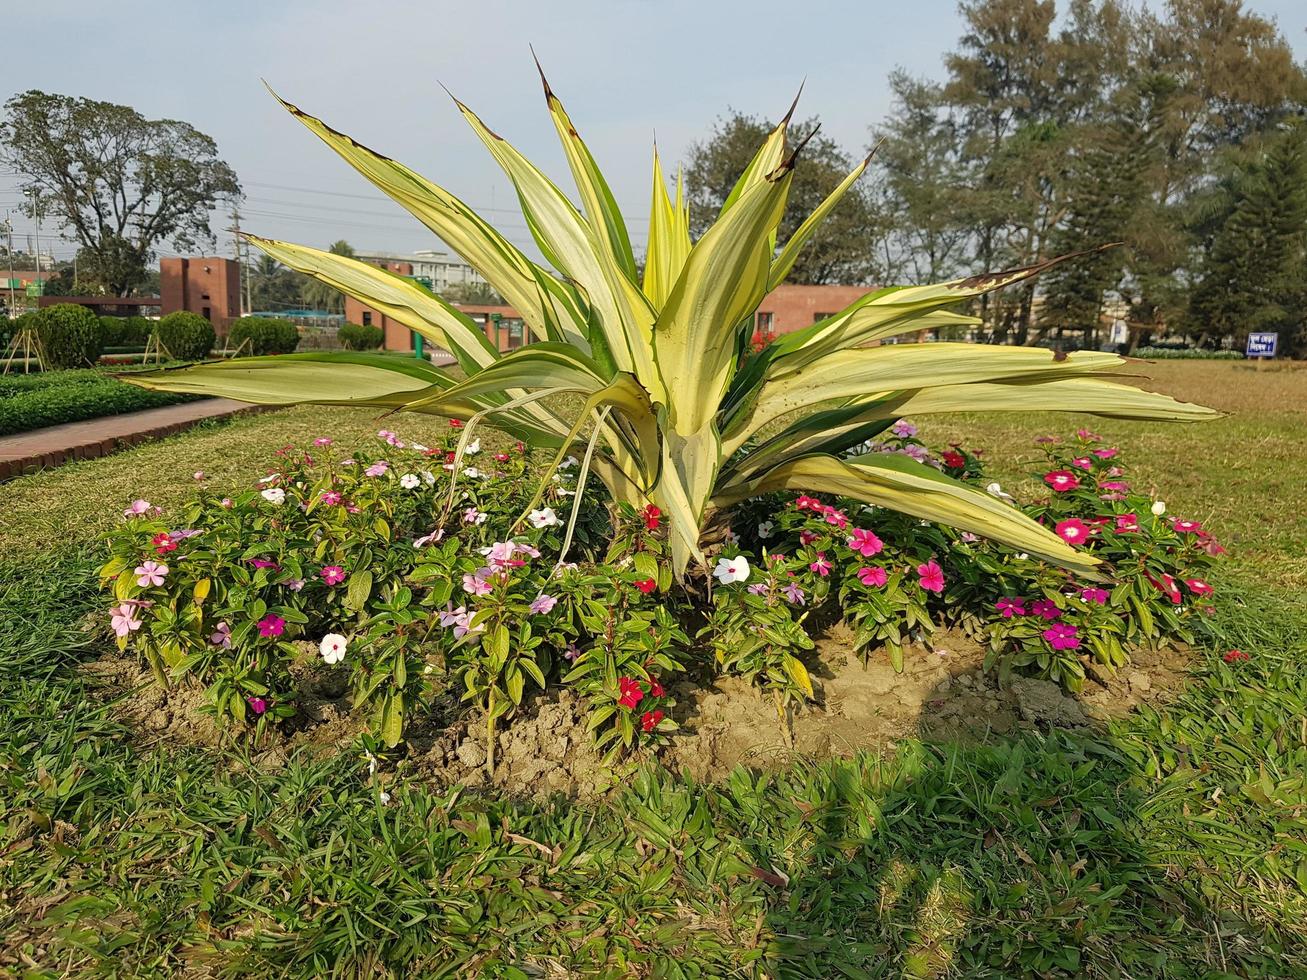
1171, 844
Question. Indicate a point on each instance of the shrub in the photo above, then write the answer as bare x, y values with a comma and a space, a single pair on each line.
266, 335
354, 336
69, 336
186, 336
31, 401
125, 331
1186, 354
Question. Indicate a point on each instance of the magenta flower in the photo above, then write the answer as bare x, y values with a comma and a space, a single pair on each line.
1127, 524
795, 594
271, 625
150, 573
1098, 596
1114, 485
837, 517
1010, 607
330, 497
1045, 609
1060, 636
821, 566
1072, 531
1188, 527
1198, 586
123, 619
543, 604
572, 652
903, 429
807, 537
264, 563
137, 508
873, 576
1104, 453
333, 574
1062, 480
257, 705
865, 543
1088, 436
931, 577
1082, 463
322, 441
221, 636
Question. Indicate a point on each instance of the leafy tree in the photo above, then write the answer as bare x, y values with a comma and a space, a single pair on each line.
844, 248
476, 293
120, 184
319, 296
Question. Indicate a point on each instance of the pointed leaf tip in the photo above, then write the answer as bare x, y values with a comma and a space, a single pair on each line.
549, 93
789, 114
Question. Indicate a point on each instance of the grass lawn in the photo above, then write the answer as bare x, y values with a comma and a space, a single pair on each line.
1171, 844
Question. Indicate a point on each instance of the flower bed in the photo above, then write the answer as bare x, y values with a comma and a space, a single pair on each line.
417, 587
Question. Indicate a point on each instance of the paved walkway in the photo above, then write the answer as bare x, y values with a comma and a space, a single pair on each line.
58, 444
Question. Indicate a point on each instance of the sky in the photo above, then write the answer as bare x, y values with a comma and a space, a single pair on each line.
625, 69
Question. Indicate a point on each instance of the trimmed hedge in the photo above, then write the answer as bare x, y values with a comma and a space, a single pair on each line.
125, 331
69, 336
186, 336
267, 335
1187, 354
354, 336
31, 401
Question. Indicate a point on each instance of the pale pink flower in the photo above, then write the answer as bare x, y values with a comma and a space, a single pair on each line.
150, 573
123, 619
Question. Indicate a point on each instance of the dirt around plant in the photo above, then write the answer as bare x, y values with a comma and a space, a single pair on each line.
942, 694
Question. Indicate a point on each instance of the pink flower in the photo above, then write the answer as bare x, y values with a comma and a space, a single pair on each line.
199, 474
150, 573
1073, 530
476, 584
379, 468
137, 508
795, 594
1062, 480
572, 652
1011, 607
1088, 436
221, 636
1105, 453
257, 705
903, 429
865, 543
821, 566
807, 537
808, 503
123, 619
1168, 586
264, 563
431, 538
1127, 524
1097, 596
227, 502
872, 576
1083, 463
1198, 587
271, 625
836, 517
1045, 609
330, 497
1060, 636
931, 576
332, 574
473, 516
1113, 485
543, 604
1188, 527
322, 441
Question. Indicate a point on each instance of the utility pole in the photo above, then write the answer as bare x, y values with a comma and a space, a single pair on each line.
9, 232
242, 260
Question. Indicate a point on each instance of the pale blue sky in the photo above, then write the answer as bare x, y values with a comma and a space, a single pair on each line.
624, 68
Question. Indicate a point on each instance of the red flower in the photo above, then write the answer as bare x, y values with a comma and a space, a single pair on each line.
808, 503
650, 719
651, 515
1167, 585
952, 460
1234, 656
646, 585
1188, 527
455, 423
656, 690
631, 693
1062, 480
501, 457
163, 543
1198, 587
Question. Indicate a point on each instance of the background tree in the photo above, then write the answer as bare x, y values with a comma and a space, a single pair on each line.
318, 295
845, 248
119, 183
475, 293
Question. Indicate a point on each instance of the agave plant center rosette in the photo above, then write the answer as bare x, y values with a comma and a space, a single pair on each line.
678, 411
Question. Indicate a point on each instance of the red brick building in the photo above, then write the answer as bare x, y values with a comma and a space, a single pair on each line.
210, 287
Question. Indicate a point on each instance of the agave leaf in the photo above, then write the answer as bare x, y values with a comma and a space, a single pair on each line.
769, 156
904, 485
1092, 396
780, 268
397, 297
548, 313
669, 240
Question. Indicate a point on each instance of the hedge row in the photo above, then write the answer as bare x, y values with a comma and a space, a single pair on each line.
354, 336
1186, 354
32, 401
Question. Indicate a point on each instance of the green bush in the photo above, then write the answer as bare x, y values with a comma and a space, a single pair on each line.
1187, 354
186, 336
30, 401
354, 336
69, 336
125, 331
267, 336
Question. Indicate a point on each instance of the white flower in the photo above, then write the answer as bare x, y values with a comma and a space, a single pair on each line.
472, 472
472, 448
274, 495
418, 446
384, 797
568, 463
1022, 556
730, 570
732, 537
409, 481
545, 517
429, 477
270, 478
332, 648
995, 490
1159, 508
766, 529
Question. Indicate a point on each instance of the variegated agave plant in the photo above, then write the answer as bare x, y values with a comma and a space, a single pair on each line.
675, 410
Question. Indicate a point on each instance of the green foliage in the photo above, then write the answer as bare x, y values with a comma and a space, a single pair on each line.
53, 397
69, 336
354, 336
125, 331
1186, 354
266, 335
186, 336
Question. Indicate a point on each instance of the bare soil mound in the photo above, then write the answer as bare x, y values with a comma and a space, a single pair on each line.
942, 694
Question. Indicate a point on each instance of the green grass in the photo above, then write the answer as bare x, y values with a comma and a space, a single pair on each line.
1172, 844
32, 401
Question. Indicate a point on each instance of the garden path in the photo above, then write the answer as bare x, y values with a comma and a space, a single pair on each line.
58, 444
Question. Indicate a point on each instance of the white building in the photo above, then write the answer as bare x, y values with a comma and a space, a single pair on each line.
442, 269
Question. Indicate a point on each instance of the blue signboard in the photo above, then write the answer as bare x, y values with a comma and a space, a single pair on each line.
1261, 344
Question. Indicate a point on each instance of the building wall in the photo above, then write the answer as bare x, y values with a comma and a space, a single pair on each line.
443, 269
210, 287
507, 334
791, 307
